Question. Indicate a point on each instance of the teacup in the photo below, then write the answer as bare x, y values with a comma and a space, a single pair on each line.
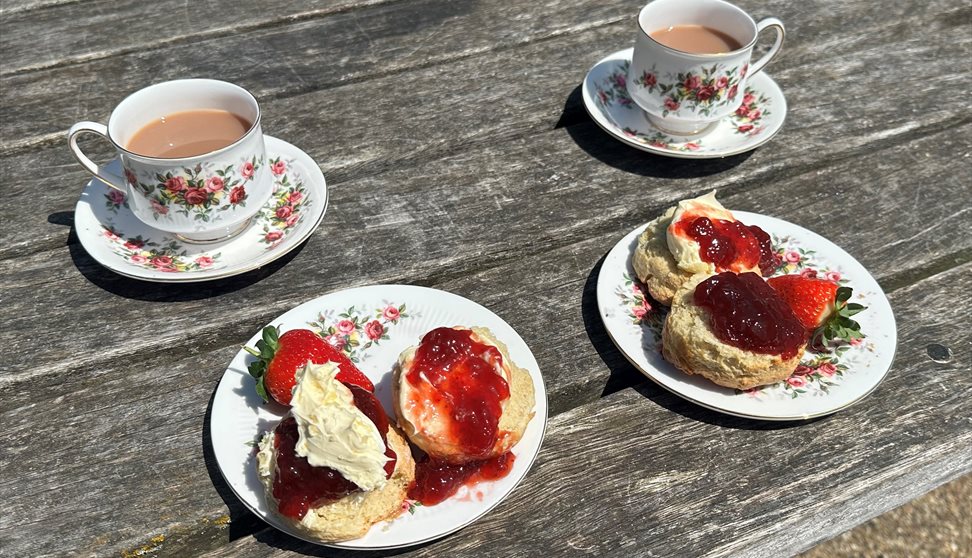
201, 198
685, 93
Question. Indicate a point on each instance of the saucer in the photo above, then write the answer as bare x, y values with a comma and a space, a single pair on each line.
606, 99
118, 240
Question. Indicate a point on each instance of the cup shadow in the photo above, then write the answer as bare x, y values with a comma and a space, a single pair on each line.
623, 374
136, 289
605, 148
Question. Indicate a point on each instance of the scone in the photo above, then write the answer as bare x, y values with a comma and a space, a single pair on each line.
698, 236
459, 397
734, 330
334, 466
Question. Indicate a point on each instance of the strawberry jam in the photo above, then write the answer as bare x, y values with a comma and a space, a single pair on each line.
747, 313
769, 261
437, 480
464, 386
299, 486
728, 245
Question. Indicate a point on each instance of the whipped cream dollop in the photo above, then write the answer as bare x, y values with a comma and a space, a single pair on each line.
685, 249
332, 431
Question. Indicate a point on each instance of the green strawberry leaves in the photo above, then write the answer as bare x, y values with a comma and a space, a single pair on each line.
840, 326
264, 351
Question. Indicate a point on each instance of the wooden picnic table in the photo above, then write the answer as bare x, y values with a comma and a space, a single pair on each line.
459, 155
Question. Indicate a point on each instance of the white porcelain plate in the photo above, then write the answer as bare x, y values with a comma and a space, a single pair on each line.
758, 119
118, 240
822, 384
372, 325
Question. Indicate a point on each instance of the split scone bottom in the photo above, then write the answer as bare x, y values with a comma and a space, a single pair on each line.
516, 415
689, 343
352, 516
653, 261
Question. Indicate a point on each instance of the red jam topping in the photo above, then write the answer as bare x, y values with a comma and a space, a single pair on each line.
437, 480
465, 386
299, 486
745, 312
729, 245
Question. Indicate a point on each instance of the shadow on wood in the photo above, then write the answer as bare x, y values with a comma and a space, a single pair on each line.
137, 289
624, 374
605, 148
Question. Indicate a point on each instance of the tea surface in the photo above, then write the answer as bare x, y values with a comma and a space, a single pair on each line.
188, 133
695, 39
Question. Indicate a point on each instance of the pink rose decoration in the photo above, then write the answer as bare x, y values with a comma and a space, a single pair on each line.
857, 341
705, 93
159, 208
802, 370
748, 99
273, 236
827, 369
692, 82
278, 168
722, 82
792, 256
638, 312
295, 197
237, 195
691, 146
196, 196
796, 381
744, 128
161, 262
214, 184
756, 114
204, 261
742, 111
603, 96
116, 197
175, 184
130, 177
636, 288
138, 259
648, 80
374, 330
345, 326
246, 170
390, 313
134, 244
110, 234
292, 220
671, 104
745, 68
832, 276
284, 211
809, 273
620, 80
732, 91
336, 341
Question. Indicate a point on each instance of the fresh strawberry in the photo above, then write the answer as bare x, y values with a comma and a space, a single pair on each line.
280, 356
821, 306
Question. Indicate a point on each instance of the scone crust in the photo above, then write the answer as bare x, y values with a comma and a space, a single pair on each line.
517, 410
689, 344
653, 261
352, 516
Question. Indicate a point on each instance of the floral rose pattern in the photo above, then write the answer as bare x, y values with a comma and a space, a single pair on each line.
660, 140
169, 257
353, 331
817, 372
749, 116
697, 93
198, 191
284, 210
115, 199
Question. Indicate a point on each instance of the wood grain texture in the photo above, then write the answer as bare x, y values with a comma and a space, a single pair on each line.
126, 450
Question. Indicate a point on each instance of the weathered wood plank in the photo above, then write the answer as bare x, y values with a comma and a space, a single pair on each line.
425, 230
125, 449
73, 32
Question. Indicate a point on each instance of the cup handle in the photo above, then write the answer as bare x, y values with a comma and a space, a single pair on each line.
99, 171
780, 34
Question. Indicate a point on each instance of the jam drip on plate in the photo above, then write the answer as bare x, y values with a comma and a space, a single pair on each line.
437, 480
730, 245
466, 386
299, 486
747, 313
